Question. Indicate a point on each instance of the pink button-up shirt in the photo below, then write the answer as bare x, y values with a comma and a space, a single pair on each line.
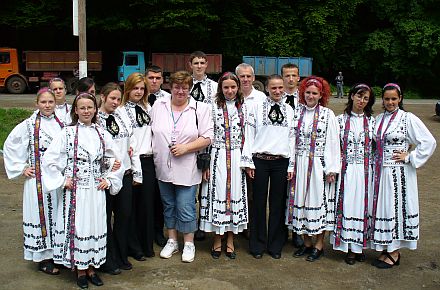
180, 170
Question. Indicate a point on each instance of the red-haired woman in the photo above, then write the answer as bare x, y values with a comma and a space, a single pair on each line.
311, 196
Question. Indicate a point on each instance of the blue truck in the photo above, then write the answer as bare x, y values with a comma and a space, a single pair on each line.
265, 66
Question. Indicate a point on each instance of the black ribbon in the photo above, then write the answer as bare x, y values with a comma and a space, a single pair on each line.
197, 92
290, 100
151, 99
141, 116
275, 114
112, 126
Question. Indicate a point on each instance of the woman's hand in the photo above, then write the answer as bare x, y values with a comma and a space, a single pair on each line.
103, 184
179, 149
29, 172
289, 175
399, 156
250, 172
116, 165
206, 175
69, 183
331, 177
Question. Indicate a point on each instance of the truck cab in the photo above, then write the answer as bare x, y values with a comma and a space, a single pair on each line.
10, 77
132, 61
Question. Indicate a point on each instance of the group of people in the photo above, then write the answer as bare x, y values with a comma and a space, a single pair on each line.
102, 181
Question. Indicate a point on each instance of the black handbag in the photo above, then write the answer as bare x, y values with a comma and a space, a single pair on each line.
203, 158
203, 161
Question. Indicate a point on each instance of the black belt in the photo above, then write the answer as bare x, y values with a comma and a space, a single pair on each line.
146, 155
265, 156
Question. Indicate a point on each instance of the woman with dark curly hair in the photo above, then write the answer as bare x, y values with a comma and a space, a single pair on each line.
311, 192
354, 183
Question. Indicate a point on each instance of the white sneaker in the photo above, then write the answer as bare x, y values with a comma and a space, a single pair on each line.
189, 251
170, 248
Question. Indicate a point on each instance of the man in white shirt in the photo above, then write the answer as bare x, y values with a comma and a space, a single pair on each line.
154, 79
245, 73
204, 89
290, 74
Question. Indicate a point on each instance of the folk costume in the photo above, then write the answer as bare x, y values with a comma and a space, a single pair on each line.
224, 196
204, 90
395, 204
310, 204
120, 205
63, 113
85, 154
354, 184
24, 148
269, 137
142, 232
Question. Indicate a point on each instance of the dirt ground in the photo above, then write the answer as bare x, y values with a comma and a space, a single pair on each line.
419, 269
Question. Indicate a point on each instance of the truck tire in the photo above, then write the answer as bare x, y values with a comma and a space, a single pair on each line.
16, 85
71, 85
258, 85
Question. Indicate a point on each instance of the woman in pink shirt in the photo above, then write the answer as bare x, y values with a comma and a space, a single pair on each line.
181, 127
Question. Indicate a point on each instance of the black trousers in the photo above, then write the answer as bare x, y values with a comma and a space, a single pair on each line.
273, 236
142, 227
120, 205
158, 211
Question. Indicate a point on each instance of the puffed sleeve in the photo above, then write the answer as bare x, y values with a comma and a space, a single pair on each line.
54, 162
115, 177
16, 151
332, 151
292, 140
420, 136
205, 122
249, 133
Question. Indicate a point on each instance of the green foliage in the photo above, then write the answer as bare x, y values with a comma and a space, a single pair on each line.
9, 118
373, 41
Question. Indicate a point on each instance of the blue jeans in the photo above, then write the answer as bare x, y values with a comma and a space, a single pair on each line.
179, 207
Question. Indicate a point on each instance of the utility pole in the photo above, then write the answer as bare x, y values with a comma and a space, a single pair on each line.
82, 38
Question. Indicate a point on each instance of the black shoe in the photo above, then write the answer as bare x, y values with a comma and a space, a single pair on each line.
302, 251
160, 240
81, 281
113, 271
360, 257
275, 256
315, 255
199, 235
231, 255
384, 265
216, 253
297, 241
150, 254
257, 255
126, 266
95, 280
350, 258
139, 257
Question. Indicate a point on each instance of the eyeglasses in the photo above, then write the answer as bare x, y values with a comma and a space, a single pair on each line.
178, 88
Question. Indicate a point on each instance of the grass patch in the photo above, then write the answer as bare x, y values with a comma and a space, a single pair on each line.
9, 118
